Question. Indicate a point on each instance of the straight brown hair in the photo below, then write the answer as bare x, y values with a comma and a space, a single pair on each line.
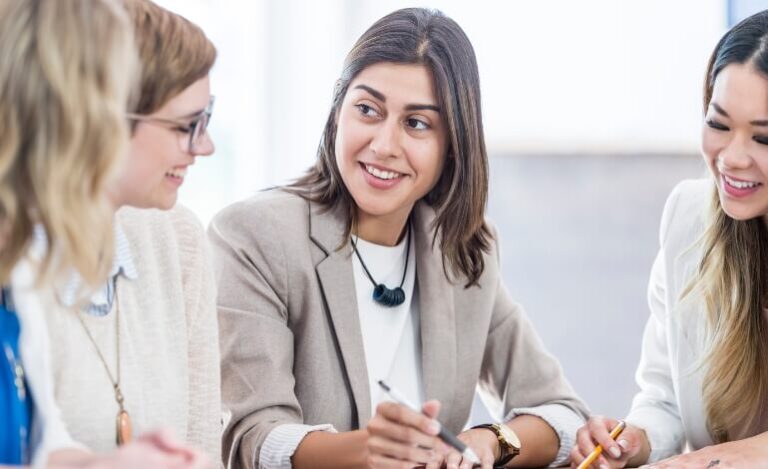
424, 37
174, 53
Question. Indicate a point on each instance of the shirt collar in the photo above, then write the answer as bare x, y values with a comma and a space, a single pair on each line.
122, 264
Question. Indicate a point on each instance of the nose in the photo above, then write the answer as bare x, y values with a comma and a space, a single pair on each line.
734, 156
205, 147
386, 142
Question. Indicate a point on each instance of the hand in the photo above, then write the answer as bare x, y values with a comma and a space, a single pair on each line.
400, 437
483, 442
616, 454
157, 449
750, 452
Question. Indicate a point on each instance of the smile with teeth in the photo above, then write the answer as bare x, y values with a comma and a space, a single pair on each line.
385, 175
177, 173
740, 184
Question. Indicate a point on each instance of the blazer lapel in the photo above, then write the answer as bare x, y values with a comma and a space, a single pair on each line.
338, 286
436, 308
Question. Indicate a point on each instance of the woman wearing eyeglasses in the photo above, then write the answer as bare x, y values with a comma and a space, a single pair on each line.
142, 351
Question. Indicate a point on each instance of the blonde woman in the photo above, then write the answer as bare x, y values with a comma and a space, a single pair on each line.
143, 350
703, 374
66, 69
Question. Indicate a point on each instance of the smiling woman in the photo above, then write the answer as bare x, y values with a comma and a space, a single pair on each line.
703, 375
378, 264
152, 323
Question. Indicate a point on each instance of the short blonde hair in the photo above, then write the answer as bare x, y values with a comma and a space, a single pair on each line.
174, 53
66, 72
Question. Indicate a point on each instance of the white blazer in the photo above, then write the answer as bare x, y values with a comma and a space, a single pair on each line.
669, 405
48, 432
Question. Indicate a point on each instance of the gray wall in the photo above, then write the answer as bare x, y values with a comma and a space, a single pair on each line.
578, 236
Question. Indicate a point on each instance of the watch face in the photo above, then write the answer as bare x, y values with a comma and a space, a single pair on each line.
509, 435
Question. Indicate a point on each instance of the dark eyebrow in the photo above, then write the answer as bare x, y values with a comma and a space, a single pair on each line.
411, 107
719, 110
421, 107
758, 122
375, 93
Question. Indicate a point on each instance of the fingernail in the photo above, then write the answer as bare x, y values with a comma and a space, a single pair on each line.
615, 452
603, 466
434, 427
624, 444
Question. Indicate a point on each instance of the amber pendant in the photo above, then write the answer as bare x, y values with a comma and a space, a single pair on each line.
123, 428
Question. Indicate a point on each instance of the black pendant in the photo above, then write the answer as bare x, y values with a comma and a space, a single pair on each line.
388, 297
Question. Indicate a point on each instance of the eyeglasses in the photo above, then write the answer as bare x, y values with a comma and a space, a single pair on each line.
197, 128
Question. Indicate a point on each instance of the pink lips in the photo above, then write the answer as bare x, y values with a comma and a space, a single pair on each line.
737, 192
377, 183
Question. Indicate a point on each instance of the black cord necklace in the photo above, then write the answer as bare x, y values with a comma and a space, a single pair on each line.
381, 294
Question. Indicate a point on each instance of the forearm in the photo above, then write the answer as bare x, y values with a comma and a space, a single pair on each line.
321, 450
539, 442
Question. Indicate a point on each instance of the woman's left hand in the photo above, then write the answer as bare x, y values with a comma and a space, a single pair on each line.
750, 452
483, 442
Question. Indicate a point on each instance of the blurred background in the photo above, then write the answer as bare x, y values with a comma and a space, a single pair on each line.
592, 113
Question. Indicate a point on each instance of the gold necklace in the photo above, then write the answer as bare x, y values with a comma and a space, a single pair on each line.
123, 423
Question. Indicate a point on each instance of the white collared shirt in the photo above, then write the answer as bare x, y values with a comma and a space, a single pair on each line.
101, 300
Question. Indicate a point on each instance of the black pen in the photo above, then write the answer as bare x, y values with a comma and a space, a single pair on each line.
449, 438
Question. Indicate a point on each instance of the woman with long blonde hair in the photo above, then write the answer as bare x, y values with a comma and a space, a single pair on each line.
64, 83
67, 68
703, 373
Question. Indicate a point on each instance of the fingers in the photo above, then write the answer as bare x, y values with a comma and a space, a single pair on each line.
453, 460
163, 439
431, 408
379, 461
404, 452
400, 435
393, 430
599, 429
405, 416
615, 453
437, 461
584, 445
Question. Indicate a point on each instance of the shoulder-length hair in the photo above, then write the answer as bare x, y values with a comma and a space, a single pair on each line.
429, 38
68, 68
174, 53
732, 277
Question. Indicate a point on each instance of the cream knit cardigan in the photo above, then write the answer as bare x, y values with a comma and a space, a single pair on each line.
169, 349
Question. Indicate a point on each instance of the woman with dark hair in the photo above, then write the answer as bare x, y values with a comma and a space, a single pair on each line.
703, 373
379, 264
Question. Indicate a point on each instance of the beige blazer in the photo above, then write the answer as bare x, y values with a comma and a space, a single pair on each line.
292, 349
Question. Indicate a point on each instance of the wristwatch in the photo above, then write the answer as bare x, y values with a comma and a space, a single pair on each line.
509, 443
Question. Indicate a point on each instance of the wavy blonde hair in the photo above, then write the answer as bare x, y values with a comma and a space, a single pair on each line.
732, 277
67, 69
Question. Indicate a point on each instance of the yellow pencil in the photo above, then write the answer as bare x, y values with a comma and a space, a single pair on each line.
599, 449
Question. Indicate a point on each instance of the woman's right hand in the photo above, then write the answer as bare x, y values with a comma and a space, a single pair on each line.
157, 449
400, 437
631, 445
